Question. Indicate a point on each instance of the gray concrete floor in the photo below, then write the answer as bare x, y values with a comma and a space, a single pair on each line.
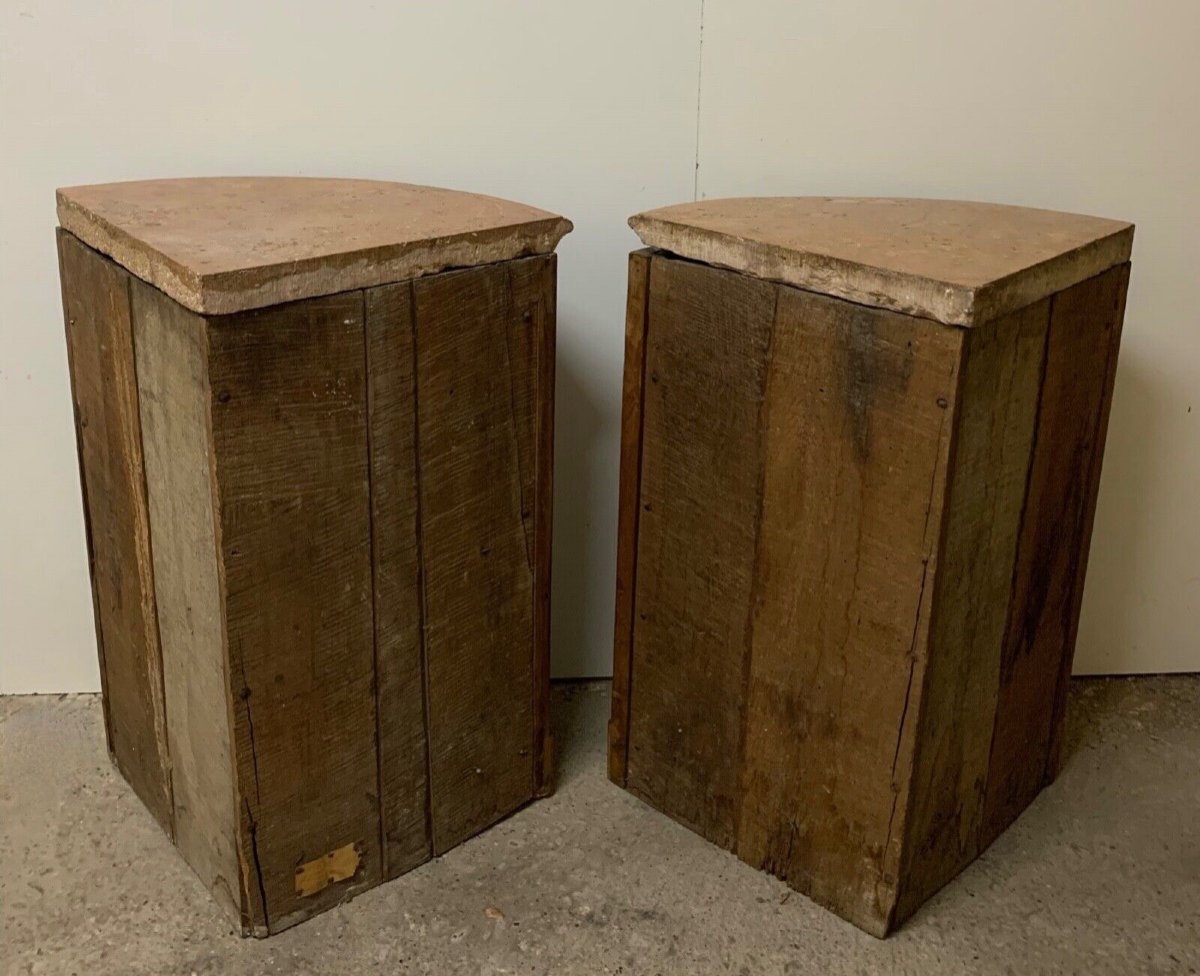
1100, 875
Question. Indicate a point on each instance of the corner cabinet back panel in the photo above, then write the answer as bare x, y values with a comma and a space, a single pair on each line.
319, 537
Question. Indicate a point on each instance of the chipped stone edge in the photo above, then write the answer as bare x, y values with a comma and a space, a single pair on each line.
910, 294
238, 291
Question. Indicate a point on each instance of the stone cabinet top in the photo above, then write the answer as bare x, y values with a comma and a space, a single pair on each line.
956, 262
226, 244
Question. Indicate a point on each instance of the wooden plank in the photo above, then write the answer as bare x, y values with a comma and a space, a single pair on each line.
857, 423
477, 369
627, 520
290, 436
104, 387
1113, 319
997, 407
403, 746
707, 348
541, 276
172, 372
1048, 578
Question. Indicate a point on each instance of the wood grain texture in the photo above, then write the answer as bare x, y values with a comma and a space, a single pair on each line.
857, 424
107, 427
226, 244
1108, 298
1051, 556
395, 531
344, 509
477, 352
172, 371
997, 407
541, 276
290, 436
706, 357
859, 558
628, 490
955, 261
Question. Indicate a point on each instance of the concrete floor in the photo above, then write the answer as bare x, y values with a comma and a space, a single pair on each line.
1100, 875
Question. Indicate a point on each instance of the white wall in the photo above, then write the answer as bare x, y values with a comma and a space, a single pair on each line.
590, 109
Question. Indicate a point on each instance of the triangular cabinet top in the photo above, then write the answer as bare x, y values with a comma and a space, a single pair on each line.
956, 262
226, 244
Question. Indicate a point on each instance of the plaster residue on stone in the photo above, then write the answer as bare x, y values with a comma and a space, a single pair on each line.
225, 244
957, 262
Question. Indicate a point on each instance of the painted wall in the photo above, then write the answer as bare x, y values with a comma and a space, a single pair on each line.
598, 111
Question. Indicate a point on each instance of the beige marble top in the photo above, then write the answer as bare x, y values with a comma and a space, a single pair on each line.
956, 262
225, 244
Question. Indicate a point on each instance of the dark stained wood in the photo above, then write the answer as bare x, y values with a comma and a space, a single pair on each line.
477, 351
857, 425
172, 370
542, 276
104, 388
628, 507
290, 437
706, 357
1055, 532
1114, 290
997, 406
395, 533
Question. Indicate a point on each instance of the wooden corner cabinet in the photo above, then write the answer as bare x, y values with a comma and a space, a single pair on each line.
315, 425
861, 444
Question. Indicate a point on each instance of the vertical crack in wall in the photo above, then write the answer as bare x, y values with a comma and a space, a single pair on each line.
699, 81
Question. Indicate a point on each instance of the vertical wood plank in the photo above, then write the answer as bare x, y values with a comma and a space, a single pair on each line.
857, 424
172, 371
1110, 307
1051, 555
403, 746
541, 276
108, 431
707, 347
477, 369
627, 519
997, 406
290, 436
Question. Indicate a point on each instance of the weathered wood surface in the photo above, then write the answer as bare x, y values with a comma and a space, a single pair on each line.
1047, 583
172, 370
629, 488
342, 642
860, 546
540, 277
1106, 318
396, 551
220, 245
104, 389
856, 424
954, 261
706, 353
477, 355
289, 430
998, 400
